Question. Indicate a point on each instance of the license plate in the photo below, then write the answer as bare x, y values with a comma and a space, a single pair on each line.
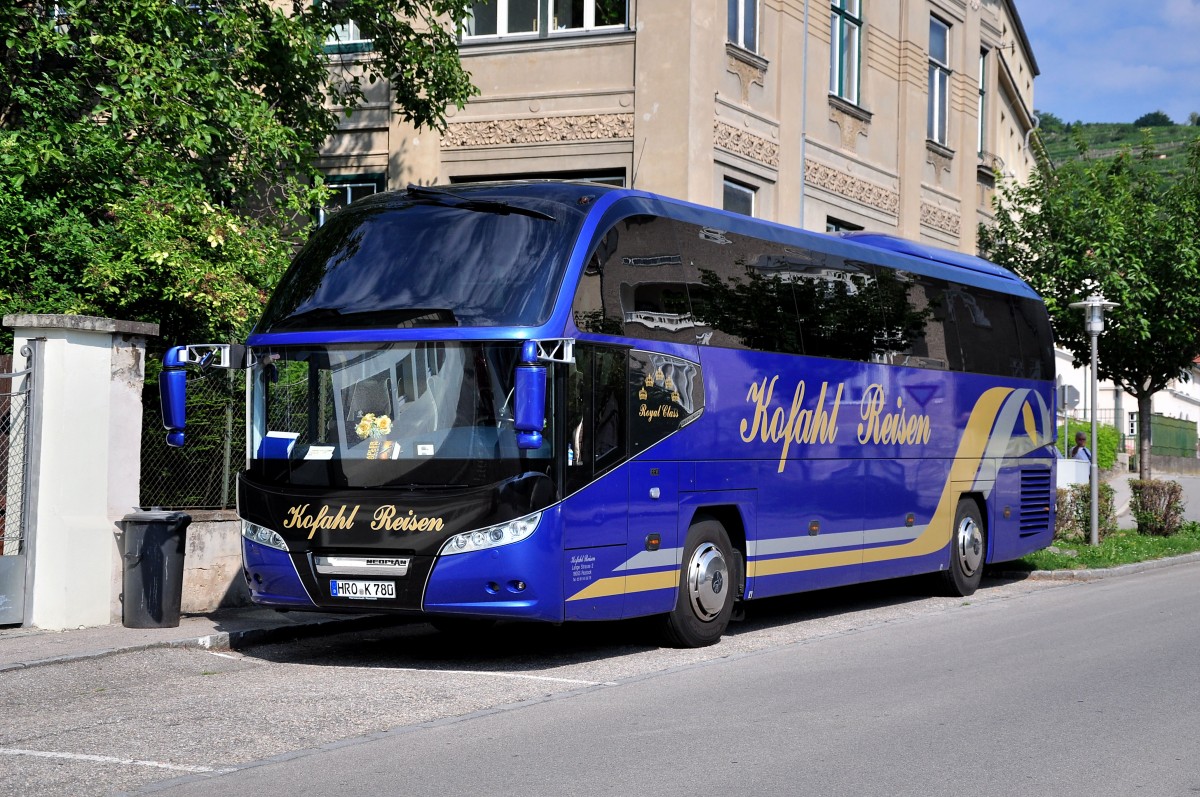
362, 590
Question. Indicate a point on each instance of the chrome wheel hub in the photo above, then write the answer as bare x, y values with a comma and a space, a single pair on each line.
968, 546
707, 581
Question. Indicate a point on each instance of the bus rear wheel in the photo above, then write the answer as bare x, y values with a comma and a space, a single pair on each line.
968, 547
707, 587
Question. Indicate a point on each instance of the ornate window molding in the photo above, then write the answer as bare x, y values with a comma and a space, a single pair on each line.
851, 120
854, 188
938, 156
750, 68
940, 219
746, 144
541, 130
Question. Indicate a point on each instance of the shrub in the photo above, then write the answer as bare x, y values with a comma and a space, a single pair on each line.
1153, 119
1157, 506
1073, 519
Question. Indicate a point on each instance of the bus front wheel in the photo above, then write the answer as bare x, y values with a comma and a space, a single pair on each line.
707, 587
968, 547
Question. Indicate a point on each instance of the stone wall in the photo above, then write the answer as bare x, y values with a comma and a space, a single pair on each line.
212, 564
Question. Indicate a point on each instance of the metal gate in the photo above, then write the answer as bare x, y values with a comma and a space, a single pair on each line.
16, 393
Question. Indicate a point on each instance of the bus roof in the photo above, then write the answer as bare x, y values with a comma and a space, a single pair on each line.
950, 257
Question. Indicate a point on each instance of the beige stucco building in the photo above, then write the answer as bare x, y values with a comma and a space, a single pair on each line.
889, 115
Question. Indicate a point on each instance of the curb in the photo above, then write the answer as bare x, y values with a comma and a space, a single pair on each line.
226, 640
1094, 574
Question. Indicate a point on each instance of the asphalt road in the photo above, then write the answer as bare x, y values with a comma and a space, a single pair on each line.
1027, 688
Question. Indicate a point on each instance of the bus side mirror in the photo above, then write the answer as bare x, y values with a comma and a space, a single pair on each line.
529, 398
172, 390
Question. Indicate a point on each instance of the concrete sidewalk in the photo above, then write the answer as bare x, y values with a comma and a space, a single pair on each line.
21, 648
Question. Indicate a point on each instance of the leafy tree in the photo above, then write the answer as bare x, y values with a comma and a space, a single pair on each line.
1049, 122
1153, 119
156, 156
1118, 227
1194, 119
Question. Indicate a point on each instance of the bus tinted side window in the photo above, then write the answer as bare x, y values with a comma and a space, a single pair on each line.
635, 284
909, 320
743, 295
988, 327
1035, 338
660, 279
664, 393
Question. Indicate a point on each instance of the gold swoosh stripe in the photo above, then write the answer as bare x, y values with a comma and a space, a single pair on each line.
623, 585
937, 533
935, 537
966, 464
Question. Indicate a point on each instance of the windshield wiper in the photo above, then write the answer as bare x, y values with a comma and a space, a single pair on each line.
453, 200
307, 318
400, 318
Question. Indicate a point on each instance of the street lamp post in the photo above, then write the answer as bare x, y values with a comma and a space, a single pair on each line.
1093, 314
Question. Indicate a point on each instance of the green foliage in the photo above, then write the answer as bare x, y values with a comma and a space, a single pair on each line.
1049, 122
202, 474
1157, 506
1120, 548
1105, 448
157, 157
1073, 513
1121, 228
162, 254
1153, 119
1106, 140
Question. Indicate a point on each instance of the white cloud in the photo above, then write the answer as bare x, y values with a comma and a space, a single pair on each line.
1112, 61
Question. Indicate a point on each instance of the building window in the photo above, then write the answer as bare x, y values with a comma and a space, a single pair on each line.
588, 14
738, 198
503, 17
524, 17
845, 20
345, 38
347, 189
833, 225
743, 24
939, 80
981, 137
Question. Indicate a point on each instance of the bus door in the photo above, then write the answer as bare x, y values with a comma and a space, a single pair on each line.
654, 548
664, 393
595, 511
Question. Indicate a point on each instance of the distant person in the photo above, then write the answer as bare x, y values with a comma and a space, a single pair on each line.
1080, 449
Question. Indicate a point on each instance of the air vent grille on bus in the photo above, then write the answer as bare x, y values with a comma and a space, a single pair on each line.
1036, 496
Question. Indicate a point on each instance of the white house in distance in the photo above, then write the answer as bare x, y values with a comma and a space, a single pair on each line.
1115, 407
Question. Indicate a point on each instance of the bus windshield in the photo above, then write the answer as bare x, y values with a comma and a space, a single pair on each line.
351, 416
408, 260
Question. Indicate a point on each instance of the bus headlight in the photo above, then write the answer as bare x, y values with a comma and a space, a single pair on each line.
492, 536
263, 536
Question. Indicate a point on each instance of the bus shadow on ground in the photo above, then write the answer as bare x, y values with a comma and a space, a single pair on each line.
843, 601
528, 647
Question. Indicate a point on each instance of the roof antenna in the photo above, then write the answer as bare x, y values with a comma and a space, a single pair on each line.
636, 166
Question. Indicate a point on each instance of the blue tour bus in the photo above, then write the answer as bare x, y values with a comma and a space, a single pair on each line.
562, 401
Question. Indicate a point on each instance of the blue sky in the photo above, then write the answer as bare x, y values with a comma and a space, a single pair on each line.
1114, 60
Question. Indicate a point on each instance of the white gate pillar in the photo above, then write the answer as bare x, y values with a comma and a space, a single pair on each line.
87, 461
